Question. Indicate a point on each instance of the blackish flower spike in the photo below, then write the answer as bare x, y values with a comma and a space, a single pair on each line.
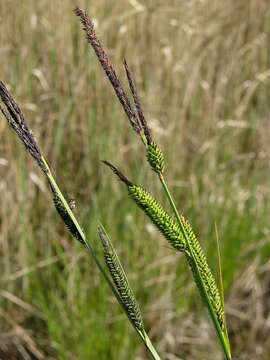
137, 103
16, 119
105, 62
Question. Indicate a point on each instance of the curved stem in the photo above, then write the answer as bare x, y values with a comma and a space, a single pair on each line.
223, 338
144, 337
150, 347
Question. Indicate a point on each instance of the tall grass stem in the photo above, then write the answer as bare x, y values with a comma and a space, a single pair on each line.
223, 338
147, 342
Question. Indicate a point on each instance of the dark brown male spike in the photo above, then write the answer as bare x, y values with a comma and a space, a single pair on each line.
105, 62
137, 103
17, 121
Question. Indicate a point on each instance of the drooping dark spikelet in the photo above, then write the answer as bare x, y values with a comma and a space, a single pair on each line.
16, 119
205, 272
62, 211
105, 62
155, 158
121, 282
138, 105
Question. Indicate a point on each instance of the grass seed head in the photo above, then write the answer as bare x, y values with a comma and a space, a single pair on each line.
16, 119
120, 280
160, 218
205, 271
143, 123
62, 211
155, 158
106, 64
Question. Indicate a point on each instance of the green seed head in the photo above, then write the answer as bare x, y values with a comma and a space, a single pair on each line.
205, 272
120, 280
163, 221
62, 211
155, 158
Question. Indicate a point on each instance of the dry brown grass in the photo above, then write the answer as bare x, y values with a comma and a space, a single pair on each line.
203, 69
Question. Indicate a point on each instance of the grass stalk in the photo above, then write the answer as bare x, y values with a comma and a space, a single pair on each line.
16, 119
184, 235
141, 332
221, 287
124, 291
222, 336
150, 347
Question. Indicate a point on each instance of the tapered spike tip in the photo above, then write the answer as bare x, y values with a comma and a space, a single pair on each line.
117, 172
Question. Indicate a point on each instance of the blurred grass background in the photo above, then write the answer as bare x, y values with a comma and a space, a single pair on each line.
203, 71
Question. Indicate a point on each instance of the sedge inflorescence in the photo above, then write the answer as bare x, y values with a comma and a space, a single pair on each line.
176, 230
120, 280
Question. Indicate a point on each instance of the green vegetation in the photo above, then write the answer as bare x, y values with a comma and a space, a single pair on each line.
204, 76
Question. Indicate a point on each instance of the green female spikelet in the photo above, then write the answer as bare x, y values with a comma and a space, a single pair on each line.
163, 221
62, 211
155, 158
121, 282
205, 272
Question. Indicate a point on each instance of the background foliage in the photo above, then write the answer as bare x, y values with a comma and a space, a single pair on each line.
203, 71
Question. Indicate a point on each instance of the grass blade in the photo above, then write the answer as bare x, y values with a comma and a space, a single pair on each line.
222, 336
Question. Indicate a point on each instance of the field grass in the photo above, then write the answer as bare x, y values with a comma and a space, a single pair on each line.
203, 70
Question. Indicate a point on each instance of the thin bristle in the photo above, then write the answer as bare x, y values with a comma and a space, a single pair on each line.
137, 103
105, 62
16, 119
117, 172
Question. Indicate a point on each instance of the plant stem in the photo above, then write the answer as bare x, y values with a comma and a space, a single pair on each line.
56, 188
144, 337
150, 347
224, 341
220, 279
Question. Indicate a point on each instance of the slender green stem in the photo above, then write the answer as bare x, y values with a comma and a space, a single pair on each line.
224, 341
167, 191
150, 347
79, 229
219, 266
141, 331
220, 280
56, 188
54, 185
